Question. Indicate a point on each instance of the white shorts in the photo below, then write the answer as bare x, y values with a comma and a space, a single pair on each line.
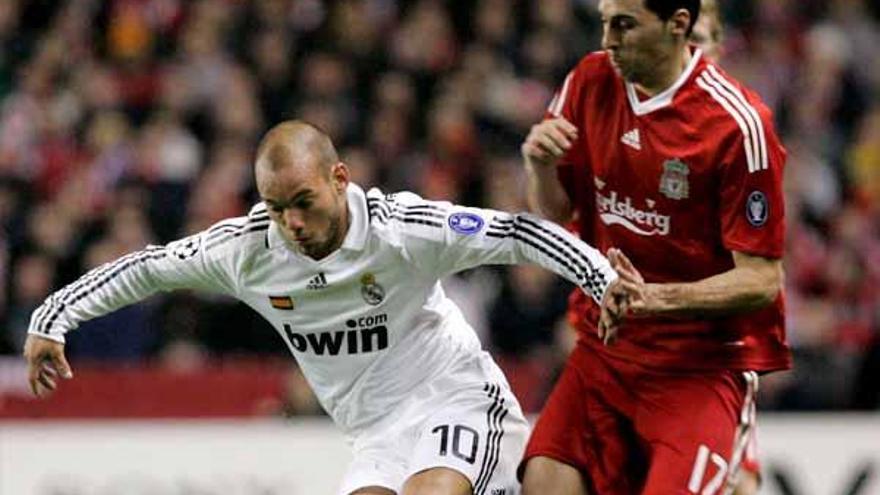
467, 420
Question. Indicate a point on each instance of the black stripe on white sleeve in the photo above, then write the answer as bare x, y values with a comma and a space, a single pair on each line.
596, 276
420, 214
57, 299
86, 286
556, 248
227, 235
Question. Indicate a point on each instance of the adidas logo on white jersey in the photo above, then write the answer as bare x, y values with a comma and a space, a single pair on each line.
631, 139
317, 282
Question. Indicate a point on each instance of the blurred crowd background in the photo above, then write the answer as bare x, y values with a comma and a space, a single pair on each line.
128, 122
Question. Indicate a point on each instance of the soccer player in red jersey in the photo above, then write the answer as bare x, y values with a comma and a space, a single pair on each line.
650, 148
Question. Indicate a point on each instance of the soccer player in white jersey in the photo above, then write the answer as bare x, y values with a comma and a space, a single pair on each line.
350, 282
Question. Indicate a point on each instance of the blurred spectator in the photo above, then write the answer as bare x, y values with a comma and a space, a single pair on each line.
52, 230
362, 163
9, 18
169, 158
271, 54
326, 85
33, 277
222, 188
425, 41
526, 310
864, 161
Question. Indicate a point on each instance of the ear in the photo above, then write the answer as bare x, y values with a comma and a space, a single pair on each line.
341, 176
679, 22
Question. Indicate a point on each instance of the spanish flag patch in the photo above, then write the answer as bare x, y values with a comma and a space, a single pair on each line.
281, 302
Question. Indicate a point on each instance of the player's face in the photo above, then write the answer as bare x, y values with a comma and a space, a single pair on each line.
637, 41
308, 205
707, 36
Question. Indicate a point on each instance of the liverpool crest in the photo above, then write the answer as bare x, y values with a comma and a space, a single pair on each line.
674, 181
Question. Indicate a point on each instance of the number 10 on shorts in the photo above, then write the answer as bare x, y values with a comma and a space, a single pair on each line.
462, 437
699, 472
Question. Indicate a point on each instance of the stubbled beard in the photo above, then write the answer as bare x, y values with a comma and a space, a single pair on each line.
332, 239
628, 73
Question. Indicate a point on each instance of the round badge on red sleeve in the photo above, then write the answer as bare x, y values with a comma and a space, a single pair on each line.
757, 208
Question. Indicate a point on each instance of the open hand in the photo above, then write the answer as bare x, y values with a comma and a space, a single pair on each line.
624, 296
46, 362
631, 282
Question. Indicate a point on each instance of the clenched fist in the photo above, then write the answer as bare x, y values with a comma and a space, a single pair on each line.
548, 141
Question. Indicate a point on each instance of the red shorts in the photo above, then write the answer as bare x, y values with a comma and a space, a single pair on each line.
633, 430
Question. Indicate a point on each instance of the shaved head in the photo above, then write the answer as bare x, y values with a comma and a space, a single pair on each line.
296, 143
303, 184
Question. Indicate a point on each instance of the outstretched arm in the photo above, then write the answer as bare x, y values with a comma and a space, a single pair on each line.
202, 261
443, 238
753, 283
183, 264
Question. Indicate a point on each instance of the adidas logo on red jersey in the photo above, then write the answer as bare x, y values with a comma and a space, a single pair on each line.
632, 139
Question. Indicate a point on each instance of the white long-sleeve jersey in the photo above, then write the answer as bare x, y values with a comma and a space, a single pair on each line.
366, 324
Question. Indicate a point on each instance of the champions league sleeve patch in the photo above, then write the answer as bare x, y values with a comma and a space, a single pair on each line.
185, 248
757, 209
465, 223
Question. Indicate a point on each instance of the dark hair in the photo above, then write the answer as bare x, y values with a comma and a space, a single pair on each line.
665, 8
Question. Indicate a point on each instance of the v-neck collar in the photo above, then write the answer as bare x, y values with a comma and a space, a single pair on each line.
664, 98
